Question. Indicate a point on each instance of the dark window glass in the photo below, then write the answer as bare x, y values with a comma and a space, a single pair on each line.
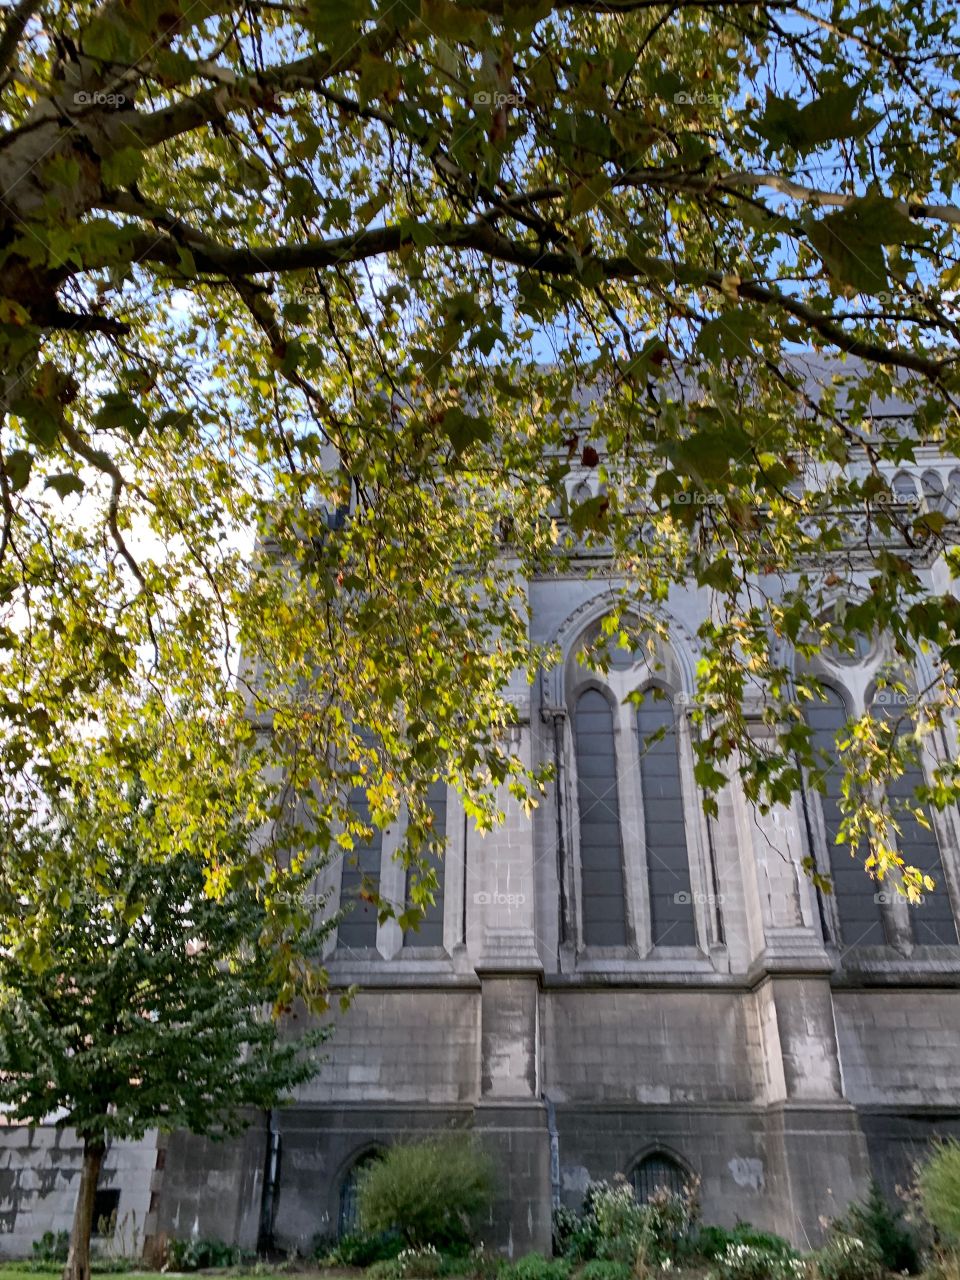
601, 857
932, 920
859, 912
348, 1216
358, 928
665, 836
106, 1203
657, 1173
430, 933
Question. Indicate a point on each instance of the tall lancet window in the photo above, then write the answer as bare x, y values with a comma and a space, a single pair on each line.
932, 921
358, 928
601, 854
430, 932
855, 894
665, 836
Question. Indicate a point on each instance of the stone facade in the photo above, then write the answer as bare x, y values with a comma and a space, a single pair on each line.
770, 1052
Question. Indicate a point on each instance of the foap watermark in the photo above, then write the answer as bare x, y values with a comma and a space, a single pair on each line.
494, 98
911, 501
99, 98
886, 898
894, 698
497, 898
686, 897
697, 498
697, 98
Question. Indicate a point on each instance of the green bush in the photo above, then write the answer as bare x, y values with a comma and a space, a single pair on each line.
196, 1255
741, 1261
623, 1224
938, 1181
847, 1257
615, 1227
574, 1234
711, 1242
535, 1267
358, 1250
600, 1269
430, 1192
51, 1247
881, 1228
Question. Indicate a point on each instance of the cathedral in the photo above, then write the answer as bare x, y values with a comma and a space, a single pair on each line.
615, 984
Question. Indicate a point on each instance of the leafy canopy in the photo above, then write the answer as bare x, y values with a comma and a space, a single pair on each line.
264, 265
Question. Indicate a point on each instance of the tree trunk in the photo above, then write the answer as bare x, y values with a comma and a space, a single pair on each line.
78, 1259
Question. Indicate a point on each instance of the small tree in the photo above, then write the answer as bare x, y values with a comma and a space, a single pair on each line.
432, 1192
131, 996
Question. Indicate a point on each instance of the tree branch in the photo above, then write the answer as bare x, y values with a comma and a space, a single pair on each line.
832, 199
13, 31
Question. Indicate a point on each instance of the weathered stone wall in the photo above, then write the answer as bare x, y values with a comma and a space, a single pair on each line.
39, 1173
900, 1046
397, 1045
649, 1047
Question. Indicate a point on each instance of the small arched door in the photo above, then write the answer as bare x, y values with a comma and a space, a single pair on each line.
348, 1214
658, 1172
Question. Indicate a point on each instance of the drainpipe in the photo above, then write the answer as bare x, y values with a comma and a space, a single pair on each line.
554, 1152
269, 1198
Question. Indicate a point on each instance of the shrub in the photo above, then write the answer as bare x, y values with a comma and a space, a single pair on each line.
51, 1247
623, 1225
574, 1234
752, 1262
847, 1257
535, 1267
359, 1250
711, 1242
600, 1269
482, 1264
424, 1263
430, 1192
384, 1269
938, 1181
194, 1255
880, 1227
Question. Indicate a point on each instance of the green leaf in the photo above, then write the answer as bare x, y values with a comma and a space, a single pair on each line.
589, 192
828, 118
851, 241
123, 167
464, 429
727, 336
64, 483
17, 465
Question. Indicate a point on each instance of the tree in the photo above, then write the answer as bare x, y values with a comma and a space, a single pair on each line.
131, 996
347, 274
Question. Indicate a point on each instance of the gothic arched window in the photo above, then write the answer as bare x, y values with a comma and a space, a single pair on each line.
348, 1217
858, 907
601, 854
658, 1172
668, 861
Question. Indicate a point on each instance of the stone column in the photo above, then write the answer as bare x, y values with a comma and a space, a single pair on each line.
817, 1153
510, 1118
